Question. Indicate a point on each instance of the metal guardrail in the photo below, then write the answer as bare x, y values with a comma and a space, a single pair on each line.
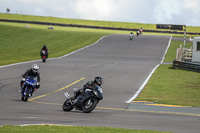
94, 27
191, 66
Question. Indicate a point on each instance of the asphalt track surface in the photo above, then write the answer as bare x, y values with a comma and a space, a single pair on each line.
124, 65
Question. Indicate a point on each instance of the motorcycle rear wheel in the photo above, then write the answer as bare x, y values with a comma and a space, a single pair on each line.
67, 106
89, 105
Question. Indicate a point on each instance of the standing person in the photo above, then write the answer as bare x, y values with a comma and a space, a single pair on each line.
33, 71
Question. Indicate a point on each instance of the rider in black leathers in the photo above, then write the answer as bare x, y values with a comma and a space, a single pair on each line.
88, 85
31, 72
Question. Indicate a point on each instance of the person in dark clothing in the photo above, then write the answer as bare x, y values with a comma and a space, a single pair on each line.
88, 85
31, 72
44, 48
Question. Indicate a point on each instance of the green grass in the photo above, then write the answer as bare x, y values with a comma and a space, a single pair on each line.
170, 86
171, 53
69, 129
20, 44
87, 22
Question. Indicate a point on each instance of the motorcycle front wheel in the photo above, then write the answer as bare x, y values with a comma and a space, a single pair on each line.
27, 95
67, 106
43, 59
89, 105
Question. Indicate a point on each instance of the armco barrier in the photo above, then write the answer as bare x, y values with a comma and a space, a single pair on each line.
191, 66
94, 27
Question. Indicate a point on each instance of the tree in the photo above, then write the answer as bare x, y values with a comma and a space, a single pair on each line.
8, 10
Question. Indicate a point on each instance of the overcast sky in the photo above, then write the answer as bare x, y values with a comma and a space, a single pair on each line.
186, 12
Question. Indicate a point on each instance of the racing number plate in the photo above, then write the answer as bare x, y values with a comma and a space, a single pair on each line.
67, 95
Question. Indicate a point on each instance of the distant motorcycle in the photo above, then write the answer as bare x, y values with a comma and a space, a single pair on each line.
141, 31
131, 36
29, 84
138, 33
44, 55
85, 102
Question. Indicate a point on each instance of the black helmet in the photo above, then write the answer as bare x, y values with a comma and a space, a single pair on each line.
98, 81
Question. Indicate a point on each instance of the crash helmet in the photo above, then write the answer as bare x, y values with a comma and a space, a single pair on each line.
98, 81
44, 46
35, 68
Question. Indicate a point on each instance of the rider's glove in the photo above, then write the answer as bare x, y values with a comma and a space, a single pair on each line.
23, 79
38, 84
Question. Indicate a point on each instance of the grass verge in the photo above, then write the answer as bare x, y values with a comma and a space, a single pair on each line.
69, 129
170, 86
20, 44
88, 22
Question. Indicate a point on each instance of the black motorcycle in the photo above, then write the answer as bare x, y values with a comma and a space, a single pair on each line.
85, 102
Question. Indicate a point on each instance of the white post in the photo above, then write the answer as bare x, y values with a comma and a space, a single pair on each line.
184, 35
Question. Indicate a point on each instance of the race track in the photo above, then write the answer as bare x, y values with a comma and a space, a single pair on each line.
124, 65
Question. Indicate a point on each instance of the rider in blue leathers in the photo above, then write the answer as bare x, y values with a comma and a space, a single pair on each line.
34, 71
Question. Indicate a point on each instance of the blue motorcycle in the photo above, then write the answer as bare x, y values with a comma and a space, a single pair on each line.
29, 85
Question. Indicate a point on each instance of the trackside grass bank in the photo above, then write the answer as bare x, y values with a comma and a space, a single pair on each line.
170, 86
68, 129
19, 44
88, 22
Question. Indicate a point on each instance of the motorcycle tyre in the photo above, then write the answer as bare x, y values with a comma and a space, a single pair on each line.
22, 98
67, 106
27, 95
43, 60
88, 110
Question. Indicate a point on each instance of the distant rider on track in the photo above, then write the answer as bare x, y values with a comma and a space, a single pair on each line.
44, 48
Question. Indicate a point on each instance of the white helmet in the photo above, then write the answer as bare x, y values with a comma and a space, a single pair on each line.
35, 68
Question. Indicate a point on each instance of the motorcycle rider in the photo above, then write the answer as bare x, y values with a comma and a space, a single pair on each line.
138, 32
89, 85
141, 31
44, 48
131, 35
33, 71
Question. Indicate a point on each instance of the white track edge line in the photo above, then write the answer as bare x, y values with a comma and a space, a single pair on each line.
145, 82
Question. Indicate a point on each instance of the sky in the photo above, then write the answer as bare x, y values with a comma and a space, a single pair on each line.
184, 12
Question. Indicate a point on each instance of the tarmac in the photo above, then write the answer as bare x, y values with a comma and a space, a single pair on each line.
146, 106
